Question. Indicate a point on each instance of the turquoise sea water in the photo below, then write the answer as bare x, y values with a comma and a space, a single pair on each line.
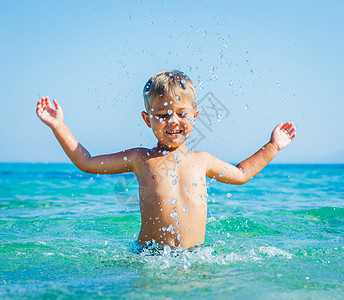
65, 234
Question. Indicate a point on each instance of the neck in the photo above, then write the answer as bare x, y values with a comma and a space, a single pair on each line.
163, 147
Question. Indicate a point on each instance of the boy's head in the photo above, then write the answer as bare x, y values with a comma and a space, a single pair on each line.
171, 107
169, 83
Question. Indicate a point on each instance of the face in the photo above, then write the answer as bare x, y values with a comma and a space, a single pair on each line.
171, 120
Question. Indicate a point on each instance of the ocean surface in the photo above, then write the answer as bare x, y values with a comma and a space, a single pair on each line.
69, 235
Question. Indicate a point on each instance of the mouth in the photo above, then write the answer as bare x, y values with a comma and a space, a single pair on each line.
173, 132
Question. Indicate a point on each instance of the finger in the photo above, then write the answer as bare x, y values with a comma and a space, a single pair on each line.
39, 110
40, 101
291, 131
287, 126
57, 104
48, 103
293, 136
40, 105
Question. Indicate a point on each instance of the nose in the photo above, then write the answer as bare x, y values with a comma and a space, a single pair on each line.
173, 119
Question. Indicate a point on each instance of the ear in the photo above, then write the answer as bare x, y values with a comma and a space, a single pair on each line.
146, 118
196, 113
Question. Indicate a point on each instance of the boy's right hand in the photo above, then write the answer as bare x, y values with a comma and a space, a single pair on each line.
51, 116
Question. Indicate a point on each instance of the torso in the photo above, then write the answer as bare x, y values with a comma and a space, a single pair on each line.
173, 198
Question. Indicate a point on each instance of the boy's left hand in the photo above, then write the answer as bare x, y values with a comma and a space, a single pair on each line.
282, 135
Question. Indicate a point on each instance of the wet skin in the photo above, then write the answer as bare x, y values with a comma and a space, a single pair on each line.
172, 179
173, 192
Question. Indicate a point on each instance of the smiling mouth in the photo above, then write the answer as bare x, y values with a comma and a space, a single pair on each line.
173, 132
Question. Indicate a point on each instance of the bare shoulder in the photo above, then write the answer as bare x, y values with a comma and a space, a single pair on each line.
137, 155
138, 151
207, 159
132, 158
202, 157
201, 154
210, 161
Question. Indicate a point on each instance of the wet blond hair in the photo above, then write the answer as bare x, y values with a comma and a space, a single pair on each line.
174, 83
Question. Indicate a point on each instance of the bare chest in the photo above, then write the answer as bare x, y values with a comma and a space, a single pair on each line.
168, 177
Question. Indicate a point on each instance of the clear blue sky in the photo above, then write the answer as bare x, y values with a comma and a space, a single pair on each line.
266, 61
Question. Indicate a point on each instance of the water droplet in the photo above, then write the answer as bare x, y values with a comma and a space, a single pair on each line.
200, 84
214, 77
246, 106
161, 120
165, 103
170, 229
277, 83
167, 250
185, 209
102, 163
125, 158
174, 215
165, 152
170, 112
229, 195
175, 155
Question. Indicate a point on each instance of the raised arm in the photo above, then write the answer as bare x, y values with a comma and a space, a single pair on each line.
104, 164
282, 135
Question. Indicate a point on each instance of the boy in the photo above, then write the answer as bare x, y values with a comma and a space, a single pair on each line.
173, 201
